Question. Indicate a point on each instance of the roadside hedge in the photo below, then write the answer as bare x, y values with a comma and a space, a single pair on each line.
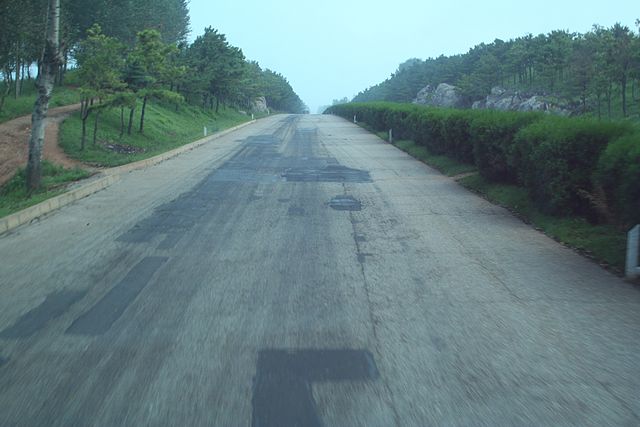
563, 162
619, 174
557, 157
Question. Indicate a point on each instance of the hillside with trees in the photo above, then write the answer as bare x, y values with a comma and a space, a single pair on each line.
596, 73
144, 46
142, 87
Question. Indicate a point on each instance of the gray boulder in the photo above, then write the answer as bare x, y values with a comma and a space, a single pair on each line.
445, 95
425, 96
260, 105
502, 99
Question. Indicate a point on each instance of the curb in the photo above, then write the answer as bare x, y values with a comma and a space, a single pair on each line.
108, 177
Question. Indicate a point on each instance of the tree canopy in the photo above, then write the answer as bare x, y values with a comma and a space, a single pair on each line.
130, 49
592, 70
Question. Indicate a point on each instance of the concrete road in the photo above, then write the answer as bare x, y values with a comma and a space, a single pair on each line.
302, 272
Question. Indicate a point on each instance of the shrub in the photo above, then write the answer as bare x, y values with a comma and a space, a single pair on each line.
556, 158
493, 134
619, 174
457, 131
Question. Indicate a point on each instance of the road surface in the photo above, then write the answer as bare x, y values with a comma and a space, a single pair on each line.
302, 272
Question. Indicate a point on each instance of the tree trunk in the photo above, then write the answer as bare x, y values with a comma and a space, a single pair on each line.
18, 79
132, 111
609, 90
5, 93
95, 127
623, 84
84, 115
144, 107
50, 61
121, 122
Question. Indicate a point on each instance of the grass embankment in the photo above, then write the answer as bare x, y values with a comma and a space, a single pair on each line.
14, 197
165, 128
603, 243
23, 105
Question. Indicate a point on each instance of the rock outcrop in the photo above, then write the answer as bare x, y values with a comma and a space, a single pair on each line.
260, 105
445, 95
505, 100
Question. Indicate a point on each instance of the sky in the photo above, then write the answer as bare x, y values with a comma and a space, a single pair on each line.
332, 49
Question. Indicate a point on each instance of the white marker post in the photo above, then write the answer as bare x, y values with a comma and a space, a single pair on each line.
252, 117
632, 269
205, 131
355, 119
390, 136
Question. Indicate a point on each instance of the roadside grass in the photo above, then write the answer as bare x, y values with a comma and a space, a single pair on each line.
444, 164
165, 129
23, 105
606, 244
13, 194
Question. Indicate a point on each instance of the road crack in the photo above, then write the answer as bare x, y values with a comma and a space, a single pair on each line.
375, 321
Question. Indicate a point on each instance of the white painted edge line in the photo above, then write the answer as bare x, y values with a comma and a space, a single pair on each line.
109, 177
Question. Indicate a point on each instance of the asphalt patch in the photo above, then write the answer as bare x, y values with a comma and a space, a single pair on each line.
282, 394
328, 173
54, 306
345, 203
296, 211
101, 316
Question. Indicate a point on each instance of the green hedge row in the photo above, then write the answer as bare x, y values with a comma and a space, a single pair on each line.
563, 162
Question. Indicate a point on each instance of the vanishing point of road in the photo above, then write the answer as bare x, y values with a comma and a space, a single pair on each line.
300, 271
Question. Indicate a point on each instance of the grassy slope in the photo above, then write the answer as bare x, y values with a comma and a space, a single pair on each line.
62, 95
165, 129
604, 243
13, 195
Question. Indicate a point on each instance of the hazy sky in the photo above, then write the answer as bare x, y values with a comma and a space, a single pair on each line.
330, 49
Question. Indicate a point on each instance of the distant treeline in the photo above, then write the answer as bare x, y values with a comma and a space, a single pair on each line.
136, 50
598, 71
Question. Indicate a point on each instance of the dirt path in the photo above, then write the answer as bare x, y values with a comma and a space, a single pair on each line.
14, 137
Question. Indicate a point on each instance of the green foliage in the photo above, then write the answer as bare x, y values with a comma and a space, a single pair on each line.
556, 159
619, 174
14, 195
444, 164
493, 135
23, 105
100, 62
457, 132
167, 128
125, 19
596, 73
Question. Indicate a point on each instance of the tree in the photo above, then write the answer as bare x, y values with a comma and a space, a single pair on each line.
218, 68
621, 58
100, 63
49, 64
150, 68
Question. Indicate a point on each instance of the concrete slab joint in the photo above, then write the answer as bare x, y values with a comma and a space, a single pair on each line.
110, 176
633, 252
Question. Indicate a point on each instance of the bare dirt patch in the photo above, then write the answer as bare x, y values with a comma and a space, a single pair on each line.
14, 138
